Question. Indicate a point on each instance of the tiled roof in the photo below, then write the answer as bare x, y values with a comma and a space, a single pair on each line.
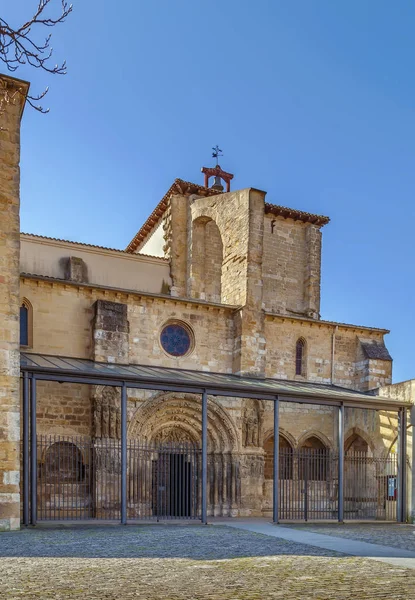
179, 187
297, 215
53, 239
375, 350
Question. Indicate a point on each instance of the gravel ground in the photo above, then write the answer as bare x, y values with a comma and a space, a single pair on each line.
185, 563
396, 536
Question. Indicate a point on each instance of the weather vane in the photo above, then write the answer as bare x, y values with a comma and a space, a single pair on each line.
216, 153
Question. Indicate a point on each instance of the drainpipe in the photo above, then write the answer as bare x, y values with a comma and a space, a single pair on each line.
333, 347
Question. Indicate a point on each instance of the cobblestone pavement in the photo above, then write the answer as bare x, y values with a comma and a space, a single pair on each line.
397, 536
185, 563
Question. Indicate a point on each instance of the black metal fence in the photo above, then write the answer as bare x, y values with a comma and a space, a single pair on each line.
79, 478
308, 484
370, 486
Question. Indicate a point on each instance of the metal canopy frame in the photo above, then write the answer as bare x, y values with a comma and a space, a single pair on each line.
41, 367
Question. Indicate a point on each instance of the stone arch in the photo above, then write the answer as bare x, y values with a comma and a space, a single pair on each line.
286, 446
168, 412
313, 457
62, 461
283, 433
206, 260
313, 433
353, 436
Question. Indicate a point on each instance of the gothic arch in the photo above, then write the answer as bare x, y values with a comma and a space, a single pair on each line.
283, 433
317, 434
168, 412
357, 432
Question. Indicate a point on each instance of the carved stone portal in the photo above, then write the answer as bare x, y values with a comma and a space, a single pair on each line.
173, 435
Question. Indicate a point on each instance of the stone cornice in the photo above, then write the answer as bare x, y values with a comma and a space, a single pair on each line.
128, 292
319, 323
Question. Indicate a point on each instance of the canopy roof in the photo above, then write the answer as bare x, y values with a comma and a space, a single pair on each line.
77, 370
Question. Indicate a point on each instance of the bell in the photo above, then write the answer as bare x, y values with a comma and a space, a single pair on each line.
217, 185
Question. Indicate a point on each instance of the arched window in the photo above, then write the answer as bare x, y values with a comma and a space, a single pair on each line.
300, 357
313, 460
286, 458
26, 323
63, 463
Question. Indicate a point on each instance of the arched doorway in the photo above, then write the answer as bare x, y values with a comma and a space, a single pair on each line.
168, 427
313, 460
285, 458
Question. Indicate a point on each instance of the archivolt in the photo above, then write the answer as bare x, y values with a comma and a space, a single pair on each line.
184, 411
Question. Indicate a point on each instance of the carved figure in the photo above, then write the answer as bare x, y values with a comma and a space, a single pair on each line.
250, 424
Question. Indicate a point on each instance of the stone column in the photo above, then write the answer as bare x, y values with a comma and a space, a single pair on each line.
12, 98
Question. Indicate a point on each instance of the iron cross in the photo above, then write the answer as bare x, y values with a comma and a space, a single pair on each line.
216, 153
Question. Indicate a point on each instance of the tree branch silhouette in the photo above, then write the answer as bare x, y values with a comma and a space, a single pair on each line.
20, 46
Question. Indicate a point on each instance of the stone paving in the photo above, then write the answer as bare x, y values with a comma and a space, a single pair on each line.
185, 563
396, 536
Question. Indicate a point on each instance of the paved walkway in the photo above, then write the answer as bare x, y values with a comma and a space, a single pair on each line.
310, 536
158, 562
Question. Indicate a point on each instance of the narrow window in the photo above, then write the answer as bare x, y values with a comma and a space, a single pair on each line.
299, 357
24, 325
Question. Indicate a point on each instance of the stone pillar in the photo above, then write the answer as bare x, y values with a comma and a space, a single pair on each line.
12, 98
313, 272
111, 345
249, 350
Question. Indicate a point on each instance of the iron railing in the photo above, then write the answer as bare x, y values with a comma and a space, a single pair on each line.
80, 478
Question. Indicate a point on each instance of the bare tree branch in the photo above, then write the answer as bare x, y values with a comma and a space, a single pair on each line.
18, 46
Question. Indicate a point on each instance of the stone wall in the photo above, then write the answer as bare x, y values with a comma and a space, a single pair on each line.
63, 408
12, 97
100, 266
291, 267
349, 369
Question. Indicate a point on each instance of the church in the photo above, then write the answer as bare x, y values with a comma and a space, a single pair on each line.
218, 285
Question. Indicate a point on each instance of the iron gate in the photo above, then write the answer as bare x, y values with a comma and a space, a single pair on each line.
370, 486
79, 478
308, 485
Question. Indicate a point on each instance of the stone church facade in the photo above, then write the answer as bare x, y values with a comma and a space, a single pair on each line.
214, 281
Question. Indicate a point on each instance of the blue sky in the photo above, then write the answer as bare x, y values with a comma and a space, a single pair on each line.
311, 100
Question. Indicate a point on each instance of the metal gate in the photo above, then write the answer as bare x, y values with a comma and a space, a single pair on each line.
370, 486
79, 478
308, 485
